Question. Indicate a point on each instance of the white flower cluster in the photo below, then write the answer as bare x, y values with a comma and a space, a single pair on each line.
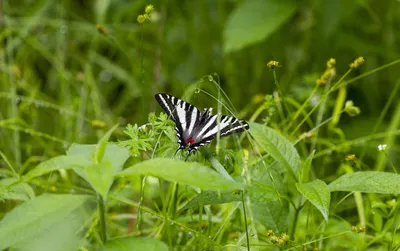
382, 147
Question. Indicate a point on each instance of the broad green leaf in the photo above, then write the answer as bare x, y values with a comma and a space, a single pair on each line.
48, 222
213, 198
135, 243
115, 154
269, 175
261, 193
10, 189
265, 187
254, 20
189, 173
281, 149
56, 163
273, 215
306, 166
367, 182
318, 194
219, 168
100, 176
101, 146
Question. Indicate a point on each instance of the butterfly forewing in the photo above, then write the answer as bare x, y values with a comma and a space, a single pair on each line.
196, 127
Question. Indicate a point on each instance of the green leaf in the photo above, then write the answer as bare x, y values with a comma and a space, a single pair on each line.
189, 173
263, 192
56, 163
367, 182
273, 215
100, 176
213, 198
135, 243
10, 189
219, 168
255, 20
115, 154
101, 146
306, 166
281, 149
318, 194
48, 222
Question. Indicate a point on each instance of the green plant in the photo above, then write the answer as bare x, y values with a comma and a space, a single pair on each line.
317, 169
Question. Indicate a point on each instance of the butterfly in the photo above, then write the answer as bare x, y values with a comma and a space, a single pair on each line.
195, 128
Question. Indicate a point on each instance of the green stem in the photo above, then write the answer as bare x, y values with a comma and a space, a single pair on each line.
390, 161
365, 74
300, 110
139, 211
245, 222
320, 115
391, 99
281, 104
296, 216
102, 218
322, 101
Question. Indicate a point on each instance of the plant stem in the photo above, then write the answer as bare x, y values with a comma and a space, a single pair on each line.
245, 222
139, 211
102, 218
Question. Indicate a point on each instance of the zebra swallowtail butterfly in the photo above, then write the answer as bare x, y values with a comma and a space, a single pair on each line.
195, 128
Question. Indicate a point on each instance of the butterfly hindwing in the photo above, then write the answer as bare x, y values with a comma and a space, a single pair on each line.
195, 128
209, 129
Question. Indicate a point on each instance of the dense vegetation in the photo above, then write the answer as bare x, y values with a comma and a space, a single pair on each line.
87, 157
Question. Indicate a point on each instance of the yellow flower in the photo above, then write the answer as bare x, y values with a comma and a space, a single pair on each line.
141, 19
351, 157
273, 64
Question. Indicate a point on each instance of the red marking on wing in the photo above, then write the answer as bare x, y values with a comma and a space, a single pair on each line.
190, 141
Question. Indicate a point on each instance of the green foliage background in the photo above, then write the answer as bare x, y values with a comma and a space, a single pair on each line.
53, 52
69, 70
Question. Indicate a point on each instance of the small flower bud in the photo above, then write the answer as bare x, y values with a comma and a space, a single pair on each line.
146, 17
350, 109
331, 63
101, 29
98, 124
149, 9
359, 61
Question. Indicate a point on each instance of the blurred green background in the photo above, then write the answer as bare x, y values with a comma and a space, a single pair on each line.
66, 63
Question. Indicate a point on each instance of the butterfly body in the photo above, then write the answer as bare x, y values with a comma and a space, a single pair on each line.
195, 128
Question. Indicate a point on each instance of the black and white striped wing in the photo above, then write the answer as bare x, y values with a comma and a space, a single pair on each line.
208, 129
182, 113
